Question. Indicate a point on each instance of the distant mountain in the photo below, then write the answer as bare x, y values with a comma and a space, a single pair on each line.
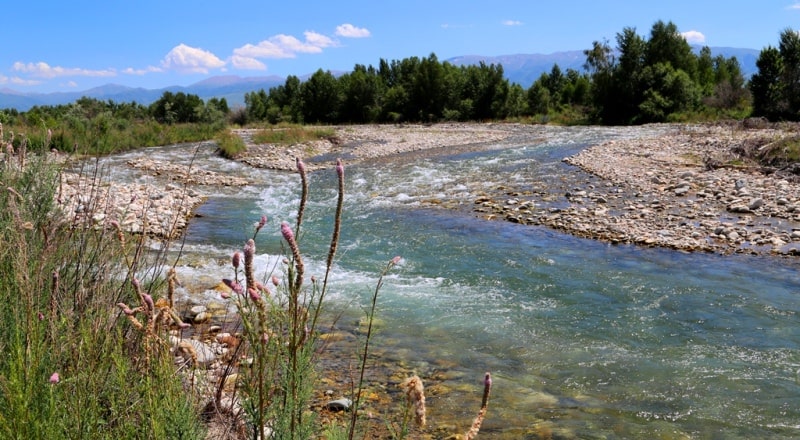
522, 69
232, 88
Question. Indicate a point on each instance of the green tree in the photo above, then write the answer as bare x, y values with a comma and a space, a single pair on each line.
767, 86
789, 48
178, 107
320, 99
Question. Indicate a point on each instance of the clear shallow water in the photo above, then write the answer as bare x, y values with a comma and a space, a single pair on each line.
583, 339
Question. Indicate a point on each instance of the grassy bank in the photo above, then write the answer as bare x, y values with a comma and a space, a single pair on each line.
73, 366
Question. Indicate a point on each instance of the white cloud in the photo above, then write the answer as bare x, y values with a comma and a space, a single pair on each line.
44, 70
18, 81
247, 63
512, 23
795, 6
276, 47
347, 30
694, 37
145, 71
188, 59
318, 40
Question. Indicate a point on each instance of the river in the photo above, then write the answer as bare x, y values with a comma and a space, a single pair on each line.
583, 339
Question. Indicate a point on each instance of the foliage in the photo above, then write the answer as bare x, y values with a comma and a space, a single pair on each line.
230, 144
650, 80
292, 134
776, 86
90, 126
71, 367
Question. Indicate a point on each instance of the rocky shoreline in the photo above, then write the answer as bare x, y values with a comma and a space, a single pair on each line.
689, 190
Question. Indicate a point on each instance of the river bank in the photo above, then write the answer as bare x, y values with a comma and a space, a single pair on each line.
539, 322
661, 191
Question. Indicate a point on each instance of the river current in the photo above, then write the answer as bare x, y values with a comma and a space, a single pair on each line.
584, 339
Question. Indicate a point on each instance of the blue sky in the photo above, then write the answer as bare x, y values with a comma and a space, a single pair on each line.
58, 45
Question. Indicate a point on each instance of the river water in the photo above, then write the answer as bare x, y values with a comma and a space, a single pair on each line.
583, 339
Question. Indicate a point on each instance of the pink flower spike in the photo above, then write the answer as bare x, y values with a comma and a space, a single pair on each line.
55, 378
254, 294
261, 223
396, 260
300, 165
262, 288
275, 281
287, 232
339, 168
125, 309
233, 285
41, 316
225, 295
149, 301
236, 259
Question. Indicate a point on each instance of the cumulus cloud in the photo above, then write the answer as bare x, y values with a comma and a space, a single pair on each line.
694, 37
347, 30
247, 63
278, 46
512, 23
44, 70
17, 81
145, 71
189, 59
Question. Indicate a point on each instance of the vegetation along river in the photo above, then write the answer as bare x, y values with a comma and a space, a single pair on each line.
584, 339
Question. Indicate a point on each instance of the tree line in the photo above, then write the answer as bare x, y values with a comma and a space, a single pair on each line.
642, 79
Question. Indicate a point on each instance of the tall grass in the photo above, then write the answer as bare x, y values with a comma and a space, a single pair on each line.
72, 368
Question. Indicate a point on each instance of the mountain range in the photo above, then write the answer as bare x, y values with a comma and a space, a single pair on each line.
522, 69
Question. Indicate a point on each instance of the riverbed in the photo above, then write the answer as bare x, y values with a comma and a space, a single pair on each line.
584, 338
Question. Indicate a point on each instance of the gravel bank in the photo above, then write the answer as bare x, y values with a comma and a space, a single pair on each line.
687, 190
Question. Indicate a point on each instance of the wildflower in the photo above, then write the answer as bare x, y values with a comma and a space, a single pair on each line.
262, 288
476, 424
275, 281
261, 223
415, 394
396, 260
40, 315
339, 168
236, 259
149, 301
125, 309
288, 235
254, 294
233, 285
300, 165
55, 378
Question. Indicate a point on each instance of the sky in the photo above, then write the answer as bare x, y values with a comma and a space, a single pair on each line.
64, 46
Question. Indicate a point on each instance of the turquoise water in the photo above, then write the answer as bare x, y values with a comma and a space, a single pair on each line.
584, 339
